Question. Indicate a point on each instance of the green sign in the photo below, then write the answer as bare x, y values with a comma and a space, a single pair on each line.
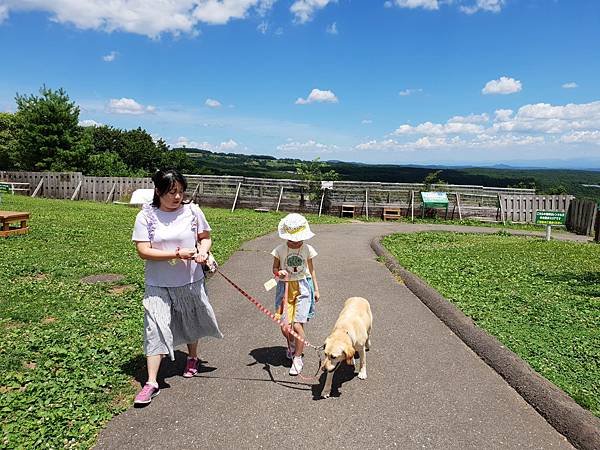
5, 187
434, 199
550, 217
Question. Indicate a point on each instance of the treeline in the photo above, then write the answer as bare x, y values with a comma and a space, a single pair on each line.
44, 135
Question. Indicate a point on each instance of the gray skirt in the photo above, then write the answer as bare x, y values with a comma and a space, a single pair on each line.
177, 315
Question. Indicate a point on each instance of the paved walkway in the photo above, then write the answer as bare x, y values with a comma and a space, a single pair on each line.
425, 387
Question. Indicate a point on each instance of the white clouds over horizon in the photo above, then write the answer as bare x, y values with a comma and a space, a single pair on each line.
224, 146
318, 96
570, 85
503, 85
465, 6
110, 57
531, 125
308, 146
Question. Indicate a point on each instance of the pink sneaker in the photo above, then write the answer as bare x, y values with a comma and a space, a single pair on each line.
191, 368
146, 395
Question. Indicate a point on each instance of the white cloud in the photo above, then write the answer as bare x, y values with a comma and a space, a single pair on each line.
407, 92
146, 17
308, 146
211, 103
304, 10
425, 4
503, 85
128, 106
110, 57
332, 29
224, 146
586, 137
571, 85
366, 121
483, 5
532, 125
318, 96
89, 123
263, 27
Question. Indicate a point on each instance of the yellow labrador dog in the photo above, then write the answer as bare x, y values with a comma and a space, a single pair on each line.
350, 334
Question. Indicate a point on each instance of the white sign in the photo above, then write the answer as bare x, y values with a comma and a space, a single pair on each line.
326, 184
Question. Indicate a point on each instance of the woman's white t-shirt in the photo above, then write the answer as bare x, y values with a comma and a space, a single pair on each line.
294, 261
167, 231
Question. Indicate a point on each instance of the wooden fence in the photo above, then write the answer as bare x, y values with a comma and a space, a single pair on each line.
581, 218
367, 198
522, 208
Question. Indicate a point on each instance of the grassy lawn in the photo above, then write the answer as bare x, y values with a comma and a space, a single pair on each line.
540, 299
69, 350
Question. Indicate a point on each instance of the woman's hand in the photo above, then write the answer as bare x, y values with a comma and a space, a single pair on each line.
317, 296
201, 257
186, 253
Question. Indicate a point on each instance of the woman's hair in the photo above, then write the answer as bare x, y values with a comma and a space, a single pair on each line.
164, 180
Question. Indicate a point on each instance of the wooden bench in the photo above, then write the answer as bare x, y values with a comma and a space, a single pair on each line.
13, 222
391, 214
347, 211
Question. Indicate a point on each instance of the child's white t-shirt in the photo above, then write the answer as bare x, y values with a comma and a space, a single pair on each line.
167, 231
294, 261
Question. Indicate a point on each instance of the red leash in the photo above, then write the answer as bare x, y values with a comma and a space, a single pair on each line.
268, 313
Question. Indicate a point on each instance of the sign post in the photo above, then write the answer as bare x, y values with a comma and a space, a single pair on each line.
434, 200
550, 218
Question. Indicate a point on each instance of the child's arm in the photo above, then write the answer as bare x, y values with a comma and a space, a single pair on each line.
313, 274
276, 271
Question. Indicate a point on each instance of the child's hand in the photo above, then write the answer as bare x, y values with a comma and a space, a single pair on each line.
281, 274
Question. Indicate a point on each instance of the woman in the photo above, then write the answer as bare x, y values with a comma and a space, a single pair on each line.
173, 238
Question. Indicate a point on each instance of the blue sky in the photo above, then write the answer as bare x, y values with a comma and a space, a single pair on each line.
399, 81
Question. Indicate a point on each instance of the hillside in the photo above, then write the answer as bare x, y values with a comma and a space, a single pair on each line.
546, 181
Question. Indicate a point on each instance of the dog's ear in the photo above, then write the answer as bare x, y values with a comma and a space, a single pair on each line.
349, 353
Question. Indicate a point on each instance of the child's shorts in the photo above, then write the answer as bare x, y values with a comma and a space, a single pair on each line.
300, 300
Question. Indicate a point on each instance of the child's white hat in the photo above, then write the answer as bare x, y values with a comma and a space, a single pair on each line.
294, 227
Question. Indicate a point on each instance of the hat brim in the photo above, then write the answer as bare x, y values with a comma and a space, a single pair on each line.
297, 237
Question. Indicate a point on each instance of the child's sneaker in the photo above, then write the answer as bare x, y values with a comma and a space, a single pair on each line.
145, 396
297, 365
191, 368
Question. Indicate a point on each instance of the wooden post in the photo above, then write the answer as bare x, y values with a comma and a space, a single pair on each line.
412, 206
321, 205
502, 215
367, 203
279, 201
236, 196
458, 205
195, 190
37, 189
110, 194
76, 193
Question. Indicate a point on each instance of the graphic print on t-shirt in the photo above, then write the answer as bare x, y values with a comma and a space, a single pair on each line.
295, 263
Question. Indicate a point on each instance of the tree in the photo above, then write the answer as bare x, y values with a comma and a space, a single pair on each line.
313, 173
47, 128
179, 160
431, 179
139, 150
7, 140
108, 164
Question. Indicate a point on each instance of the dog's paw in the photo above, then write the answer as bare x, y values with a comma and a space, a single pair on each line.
362, 374
325, 395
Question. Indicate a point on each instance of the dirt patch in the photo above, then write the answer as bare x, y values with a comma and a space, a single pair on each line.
47, 320
102, 278
30, 365
121, 289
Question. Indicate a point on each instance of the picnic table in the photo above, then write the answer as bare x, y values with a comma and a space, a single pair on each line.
13, 222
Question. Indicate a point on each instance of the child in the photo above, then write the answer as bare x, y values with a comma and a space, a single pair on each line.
293, 265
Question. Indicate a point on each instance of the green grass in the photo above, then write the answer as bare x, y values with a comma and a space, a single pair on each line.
69, 350
540, 299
